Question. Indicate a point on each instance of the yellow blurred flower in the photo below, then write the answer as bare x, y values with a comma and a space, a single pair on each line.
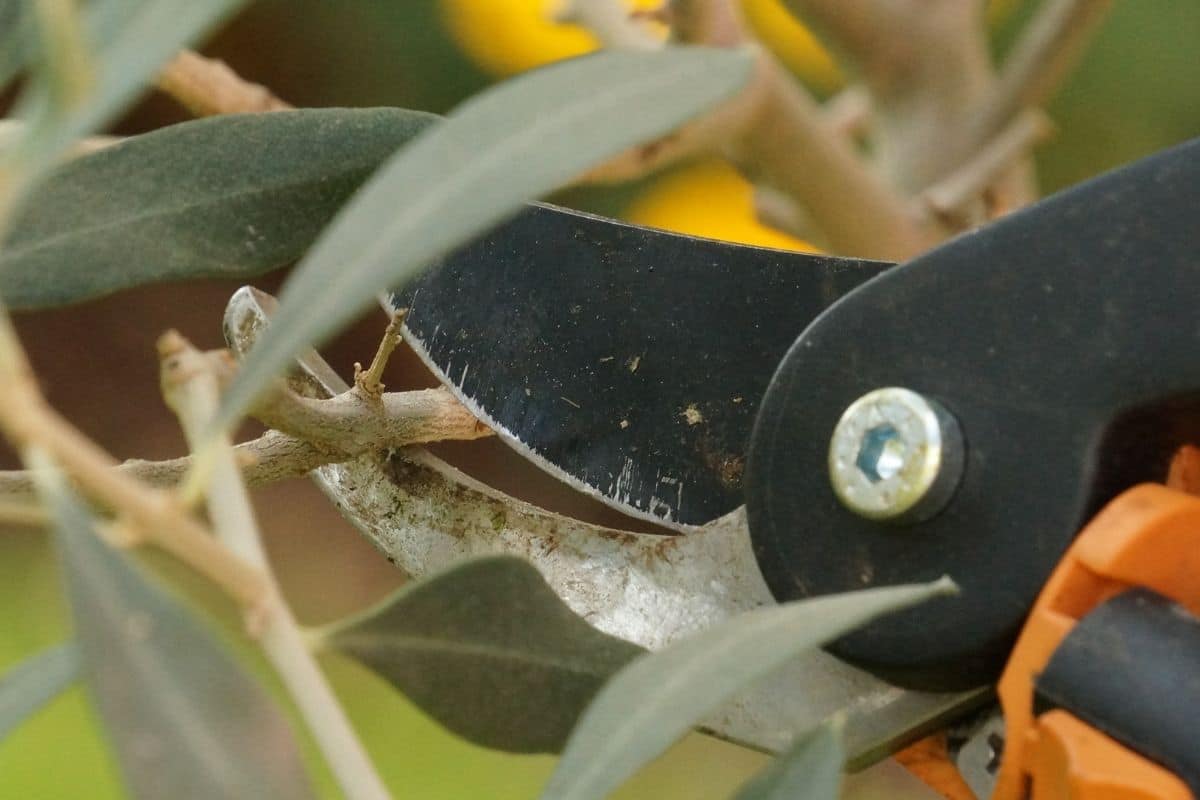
710, 199
794, 44
505, 37
509, 36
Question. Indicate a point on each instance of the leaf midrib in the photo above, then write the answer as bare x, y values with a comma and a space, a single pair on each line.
391, 643
642, 716
21, 251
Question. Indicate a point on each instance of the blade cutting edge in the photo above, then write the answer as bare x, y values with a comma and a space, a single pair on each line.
626, 361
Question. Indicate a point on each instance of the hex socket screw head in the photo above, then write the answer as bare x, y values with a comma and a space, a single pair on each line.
895, 456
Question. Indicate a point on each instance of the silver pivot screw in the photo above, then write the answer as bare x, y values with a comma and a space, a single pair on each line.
895, 456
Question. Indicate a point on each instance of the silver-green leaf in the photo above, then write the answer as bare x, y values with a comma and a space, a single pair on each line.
185, 719
811, 769
490, 651
225, 197
512, 143
659, 697
34, 682
129, 42
14, 37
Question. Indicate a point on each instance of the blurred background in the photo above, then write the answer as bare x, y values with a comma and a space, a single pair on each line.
1137, 91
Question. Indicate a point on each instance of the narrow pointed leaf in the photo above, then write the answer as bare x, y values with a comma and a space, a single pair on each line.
125, 58
14, 36
34, 682
811, 769
490, 651
512, 143
186, 721
657, 698
225, 197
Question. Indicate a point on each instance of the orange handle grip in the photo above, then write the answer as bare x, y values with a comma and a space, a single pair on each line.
1149, 536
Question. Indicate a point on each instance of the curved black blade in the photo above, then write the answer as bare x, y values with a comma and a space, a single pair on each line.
1064, 340
625, 360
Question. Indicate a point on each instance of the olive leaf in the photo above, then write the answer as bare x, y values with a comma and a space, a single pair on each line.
490, 651
34, 682
185, 719
231, 196
128, 43
660, 696
14, 34
514, 142
811, 769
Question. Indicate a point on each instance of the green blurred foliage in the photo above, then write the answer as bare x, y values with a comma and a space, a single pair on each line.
61, 751
1136, 91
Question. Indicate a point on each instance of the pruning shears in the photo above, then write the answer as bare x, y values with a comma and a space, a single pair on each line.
1004, 409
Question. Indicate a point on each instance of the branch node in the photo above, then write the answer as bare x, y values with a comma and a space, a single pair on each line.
956, 199
369, 382
610, 21
121, 533
206, 87
257, 616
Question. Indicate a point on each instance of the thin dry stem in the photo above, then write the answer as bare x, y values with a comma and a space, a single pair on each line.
611, 23
270, 458
926, 66
848, 113
350, 424
207, 87
787, 144
845, 115
320, 432
788, 147
955, 197
192, 389
1038, 64
23, 514
29, 422
370, 381
775, 133
424, 416
781, 212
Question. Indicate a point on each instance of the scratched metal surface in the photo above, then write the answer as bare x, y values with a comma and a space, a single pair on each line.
424, 515
627, 361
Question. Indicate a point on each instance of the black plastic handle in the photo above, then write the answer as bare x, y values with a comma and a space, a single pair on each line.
1129, 669
1065, 340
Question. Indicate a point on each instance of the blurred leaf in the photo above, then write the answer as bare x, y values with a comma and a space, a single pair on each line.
62, 72
105, 18
811, 769
657, 698
14, 33
490, 651
128, 46
230, 197
470, 171
34, 682
186, 720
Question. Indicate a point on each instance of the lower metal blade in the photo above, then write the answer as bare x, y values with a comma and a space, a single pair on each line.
624, 360
651, 590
